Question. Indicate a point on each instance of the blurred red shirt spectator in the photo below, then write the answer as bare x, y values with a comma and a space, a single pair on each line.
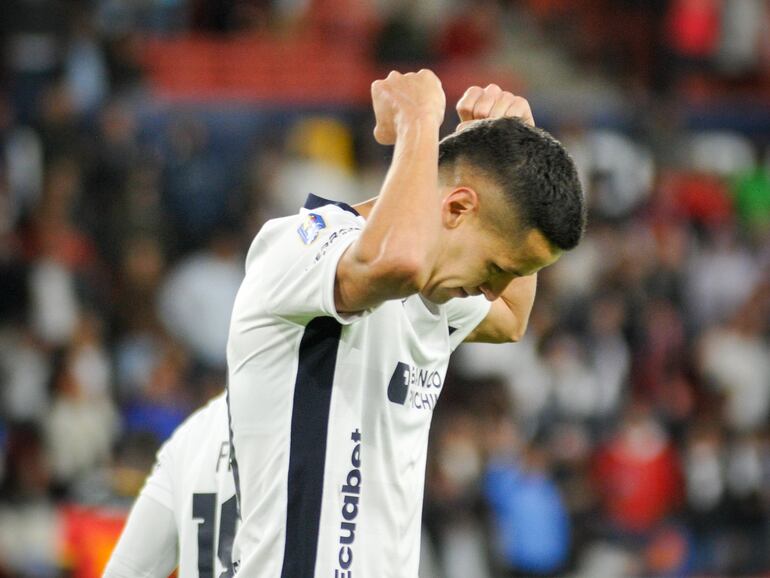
637, 475
693, 27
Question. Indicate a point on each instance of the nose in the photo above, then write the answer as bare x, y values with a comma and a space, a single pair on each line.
494, 288
489, 292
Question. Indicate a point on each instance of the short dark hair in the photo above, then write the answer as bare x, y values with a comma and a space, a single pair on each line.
533, 169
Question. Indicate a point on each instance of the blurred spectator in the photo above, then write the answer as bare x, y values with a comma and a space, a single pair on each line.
403, 38
692, 34
575, 385
451, 520
472, 32
28, 522
26, 369
56, 306
742, 26
140, 330
196, 182
576, 279
621, 173
35, 34
23, 167
720, 277
57, 124
609, 352
82, 422
751, 193
85, 66
735, 361
319, 161
531, 521
520, 369
64, 255
197, 298
704, 474
701, 197
162, 403
637, 475
116, 186
661, 352
723, 153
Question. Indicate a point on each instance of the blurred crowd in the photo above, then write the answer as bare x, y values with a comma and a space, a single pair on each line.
626, 435
684, 45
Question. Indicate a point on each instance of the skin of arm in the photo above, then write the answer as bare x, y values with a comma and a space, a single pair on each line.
509, 314
395, 252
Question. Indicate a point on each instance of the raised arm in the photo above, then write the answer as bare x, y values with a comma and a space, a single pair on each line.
509, 314
394, 255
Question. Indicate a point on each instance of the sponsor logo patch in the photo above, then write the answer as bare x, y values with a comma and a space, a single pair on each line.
415, 387
311, 227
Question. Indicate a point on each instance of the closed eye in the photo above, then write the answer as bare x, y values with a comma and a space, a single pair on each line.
495, 269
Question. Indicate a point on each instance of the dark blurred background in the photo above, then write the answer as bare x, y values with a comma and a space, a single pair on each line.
144, 142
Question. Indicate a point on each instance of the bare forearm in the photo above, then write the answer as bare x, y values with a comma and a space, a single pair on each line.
519, 297
406, 218
508, 317
394, 255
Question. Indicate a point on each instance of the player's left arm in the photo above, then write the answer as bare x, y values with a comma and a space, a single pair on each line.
509, 314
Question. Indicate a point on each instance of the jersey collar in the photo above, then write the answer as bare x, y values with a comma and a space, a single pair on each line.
314, 202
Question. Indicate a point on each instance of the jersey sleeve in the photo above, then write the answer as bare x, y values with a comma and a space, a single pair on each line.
159, 485
292, 265
464, 315
147, 547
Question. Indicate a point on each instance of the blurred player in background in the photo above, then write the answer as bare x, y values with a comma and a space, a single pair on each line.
186, 514
342, 329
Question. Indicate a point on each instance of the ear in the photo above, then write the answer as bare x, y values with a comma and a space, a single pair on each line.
459, 204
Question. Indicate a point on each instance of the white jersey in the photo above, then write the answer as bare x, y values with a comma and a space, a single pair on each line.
192, 478
330, 414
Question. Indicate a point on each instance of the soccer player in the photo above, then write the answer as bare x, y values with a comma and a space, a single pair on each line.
186, 513
342, 329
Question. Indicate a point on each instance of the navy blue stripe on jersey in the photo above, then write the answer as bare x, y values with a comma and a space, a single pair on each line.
233, 461
307, 459
314, 202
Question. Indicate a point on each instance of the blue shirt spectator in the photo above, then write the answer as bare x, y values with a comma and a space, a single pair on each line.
530, 518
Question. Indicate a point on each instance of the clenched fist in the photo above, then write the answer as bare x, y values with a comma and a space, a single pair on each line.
401, 99
492, 102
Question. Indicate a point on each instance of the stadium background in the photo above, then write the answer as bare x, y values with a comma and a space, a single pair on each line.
142, 144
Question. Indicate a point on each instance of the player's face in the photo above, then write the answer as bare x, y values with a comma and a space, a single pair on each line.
478, 262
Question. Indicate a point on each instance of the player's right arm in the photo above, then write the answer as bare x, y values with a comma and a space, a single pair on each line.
394, 255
